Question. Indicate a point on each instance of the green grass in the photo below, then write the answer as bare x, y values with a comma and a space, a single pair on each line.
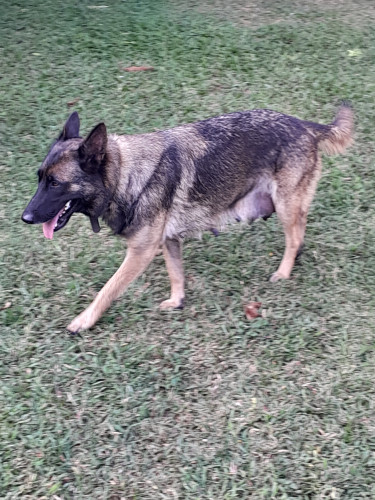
199, 404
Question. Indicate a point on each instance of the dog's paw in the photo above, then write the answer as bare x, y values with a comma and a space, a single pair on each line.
278, 276
172, 304
81, 322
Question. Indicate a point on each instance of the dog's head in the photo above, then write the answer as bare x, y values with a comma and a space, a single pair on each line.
71, 179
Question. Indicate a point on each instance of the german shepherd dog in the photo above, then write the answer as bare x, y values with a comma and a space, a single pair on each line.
157, 188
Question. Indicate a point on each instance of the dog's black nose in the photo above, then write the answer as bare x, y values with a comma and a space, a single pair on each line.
28, 217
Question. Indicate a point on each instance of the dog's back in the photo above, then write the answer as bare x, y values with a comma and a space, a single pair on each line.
232, 164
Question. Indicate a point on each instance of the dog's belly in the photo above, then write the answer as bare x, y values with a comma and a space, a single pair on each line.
257, 203
191, 220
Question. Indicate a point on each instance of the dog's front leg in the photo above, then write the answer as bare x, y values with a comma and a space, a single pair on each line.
172, 250
140, 253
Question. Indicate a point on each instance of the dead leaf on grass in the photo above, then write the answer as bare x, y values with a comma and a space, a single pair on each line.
139, 68
252, 310
72, 102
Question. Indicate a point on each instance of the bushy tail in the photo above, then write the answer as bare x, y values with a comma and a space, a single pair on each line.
339, 135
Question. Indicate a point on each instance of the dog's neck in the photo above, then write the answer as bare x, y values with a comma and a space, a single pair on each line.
129, 166
132, 159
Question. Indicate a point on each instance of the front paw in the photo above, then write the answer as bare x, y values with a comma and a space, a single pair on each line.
172, 304
278, 276
81, 322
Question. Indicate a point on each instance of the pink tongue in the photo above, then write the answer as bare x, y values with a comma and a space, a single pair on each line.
49, 226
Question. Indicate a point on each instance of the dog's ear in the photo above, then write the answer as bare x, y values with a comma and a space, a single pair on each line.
92, 151
71, 127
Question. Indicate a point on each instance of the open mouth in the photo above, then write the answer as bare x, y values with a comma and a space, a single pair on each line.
59, 221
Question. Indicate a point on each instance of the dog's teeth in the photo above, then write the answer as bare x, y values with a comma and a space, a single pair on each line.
67, 206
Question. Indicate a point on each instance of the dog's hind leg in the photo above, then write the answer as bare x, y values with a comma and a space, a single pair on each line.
141, 250
172, 250
292, 208
294, 230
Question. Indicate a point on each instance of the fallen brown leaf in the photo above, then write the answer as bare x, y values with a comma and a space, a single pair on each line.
73, 102
251, 310
139, 68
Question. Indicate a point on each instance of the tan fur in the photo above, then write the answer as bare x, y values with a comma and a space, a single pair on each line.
141, 250
292, 203
142, 149
172, 250
340, 136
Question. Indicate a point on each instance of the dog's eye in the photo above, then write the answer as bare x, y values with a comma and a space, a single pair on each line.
53, 182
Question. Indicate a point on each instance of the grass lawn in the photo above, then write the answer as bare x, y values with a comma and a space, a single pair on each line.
202, 403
